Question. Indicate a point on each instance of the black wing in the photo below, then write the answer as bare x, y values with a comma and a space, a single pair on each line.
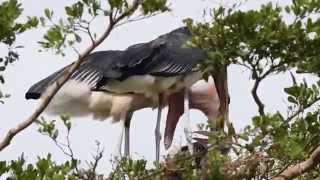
98, 65
164, 56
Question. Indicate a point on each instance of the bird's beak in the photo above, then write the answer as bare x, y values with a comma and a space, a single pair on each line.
175, 110
203, 96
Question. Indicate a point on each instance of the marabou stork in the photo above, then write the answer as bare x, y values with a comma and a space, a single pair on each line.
117, 83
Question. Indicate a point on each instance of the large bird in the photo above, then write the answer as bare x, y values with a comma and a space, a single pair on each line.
164, 66
117, 83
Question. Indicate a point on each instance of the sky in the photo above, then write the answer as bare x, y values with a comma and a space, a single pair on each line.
34, 65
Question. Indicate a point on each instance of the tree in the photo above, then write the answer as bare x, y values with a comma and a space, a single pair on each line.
277, 145
10, 11
62, 34
281, 145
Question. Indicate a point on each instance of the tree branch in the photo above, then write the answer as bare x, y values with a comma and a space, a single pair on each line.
221, 83
301, 168
256, 98
258, 79
58, 84
300, 110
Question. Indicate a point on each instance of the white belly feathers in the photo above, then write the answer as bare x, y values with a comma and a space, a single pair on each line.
152, 85
75, 98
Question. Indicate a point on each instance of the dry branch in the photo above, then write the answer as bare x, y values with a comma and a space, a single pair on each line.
58, 84
300, 168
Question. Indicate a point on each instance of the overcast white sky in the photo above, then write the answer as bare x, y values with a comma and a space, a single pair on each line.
34, 66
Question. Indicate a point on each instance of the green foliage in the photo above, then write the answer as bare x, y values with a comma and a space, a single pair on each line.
260, 40
302, 95
48, 128
10, 11
117, 3
131, 169
265, 43
68, 31
75, 11
149, 6
44, 168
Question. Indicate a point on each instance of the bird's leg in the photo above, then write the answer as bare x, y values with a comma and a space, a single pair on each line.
127, 136
187, 125
119, 144
157, 129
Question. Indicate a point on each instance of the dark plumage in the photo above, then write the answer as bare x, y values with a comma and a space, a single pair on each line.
98, 65
37, 89
165, 56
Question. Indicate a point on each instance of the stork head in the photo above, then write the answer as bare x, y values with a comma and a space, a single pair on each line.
203, 96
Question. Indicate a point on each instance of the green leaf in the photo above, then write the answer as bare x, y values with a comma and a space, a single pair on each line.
115, 3
3, 167
48, 13
292, 100
75, 11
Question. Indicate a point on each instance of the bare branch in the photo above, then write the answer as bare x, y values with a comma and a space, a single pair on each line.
86, 29
301, 168
96, 159
46, 99
258, 79
256, 98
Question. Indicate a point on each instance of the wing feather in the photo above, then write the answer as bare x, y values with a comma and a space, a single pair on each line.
97, 66
164, 56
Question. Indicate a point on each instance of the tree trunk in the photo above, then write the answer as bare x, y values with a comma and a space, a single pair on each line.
221, 82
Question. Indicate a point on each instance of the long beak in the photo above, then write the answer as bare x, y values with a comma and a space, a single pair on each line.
175, 110
203, 96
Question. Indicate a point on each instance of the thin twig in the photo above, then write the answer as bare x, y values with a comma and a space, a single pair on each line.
59, 145
91, 173
69, 152
90, 35
73, 159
